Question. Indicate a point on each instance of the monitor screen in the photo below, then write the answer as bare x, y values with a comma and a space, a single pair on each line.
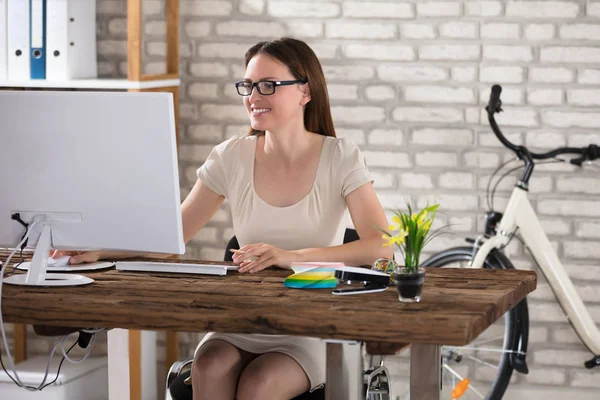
100, 168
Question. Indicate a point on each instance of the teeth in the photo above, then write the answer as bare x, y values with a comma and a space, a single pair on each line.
261, 110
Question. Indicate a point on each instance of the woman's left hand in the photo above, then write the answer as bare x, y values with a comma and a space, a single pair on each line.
256, 257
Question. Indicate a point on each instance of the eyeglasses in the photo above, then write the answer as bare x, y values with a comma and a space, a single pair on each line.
244, 88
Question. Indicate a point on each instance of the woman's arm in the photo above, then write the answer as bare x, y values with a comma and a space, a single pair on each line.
366, 212
198, 208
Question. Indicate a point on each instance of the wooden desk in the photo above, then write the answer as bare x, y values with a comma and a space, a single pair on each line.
457, 305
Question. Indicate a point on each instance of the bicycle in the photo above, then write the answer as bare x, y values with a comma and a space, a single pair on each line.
486, 251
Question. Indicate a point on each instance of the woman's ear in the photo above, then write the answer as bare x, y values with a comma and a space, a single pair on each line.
305, 96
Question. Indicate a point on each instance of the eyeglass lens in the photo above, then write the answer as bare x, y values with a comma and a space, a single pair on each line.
264, 87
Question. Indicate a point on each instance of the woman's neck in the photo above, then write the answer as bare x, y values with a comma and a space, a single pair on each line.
287, 145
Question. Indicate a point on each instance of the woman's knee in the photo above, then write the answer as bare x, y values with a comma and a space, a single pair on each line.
272, 376
256, 382
216, 359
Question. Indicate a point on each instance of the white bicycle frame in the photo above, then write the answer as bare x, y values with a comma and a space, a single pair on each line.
519, 213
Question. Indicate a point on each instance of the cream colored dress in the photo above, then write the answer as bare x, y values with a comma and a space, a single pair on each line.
315, 221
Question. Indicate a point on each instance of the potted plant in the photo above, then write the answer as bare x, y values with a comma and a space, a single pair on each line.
410, 232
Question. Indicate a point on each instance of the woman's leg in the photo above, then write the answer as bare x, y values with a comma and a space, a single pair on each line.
216, 369
273, 376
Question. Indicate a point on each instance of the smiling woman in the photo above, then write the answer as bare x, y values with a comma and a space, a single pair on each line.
289, 184
301, 67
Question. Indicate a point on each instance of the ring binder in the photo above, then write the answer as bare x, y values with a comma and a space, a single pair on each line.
71, 39
38, 39
18, 40
3, 41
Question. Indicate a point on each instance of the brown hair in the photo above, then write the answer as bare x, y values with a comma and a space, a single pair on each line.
303, 64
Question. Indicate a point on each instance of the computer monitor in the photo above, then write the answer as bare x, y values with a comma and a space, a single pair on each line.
98, 170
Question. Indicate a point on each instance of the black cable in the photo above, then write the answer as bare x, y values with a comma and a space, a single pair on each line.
516, 169
22, 258
47, 384
511, 237
487, 190
59, 366
17, 217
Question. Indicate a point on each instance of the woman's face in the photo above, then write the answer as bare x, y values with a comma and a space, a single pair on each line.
285, 107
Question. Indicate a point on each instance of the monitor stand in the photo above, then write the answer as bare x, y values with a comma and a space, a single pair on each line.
36, 276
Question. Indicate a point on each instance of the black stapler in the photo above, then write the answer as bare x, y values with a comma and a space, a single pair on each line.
372, 281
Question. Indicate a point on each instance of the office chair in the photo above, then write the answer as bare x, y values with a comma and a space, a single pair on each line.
376, 378
350, 235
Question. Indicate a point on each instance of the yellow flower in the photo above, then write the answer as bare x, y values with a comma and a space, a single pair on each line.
397, 224
420, 217
396, 239
427, 225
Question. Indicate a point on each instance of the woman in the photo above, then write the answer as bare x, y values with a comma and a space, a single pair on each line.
288, 183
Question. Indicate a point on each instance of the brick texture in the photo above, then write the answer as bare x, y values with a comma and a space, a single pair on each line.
408, 82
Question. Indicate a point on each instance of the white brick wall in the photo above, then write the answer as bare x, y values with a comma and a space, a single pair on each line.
408, 80
439, 9
484, 8
449, 52
501, 74
389, 51
555, 54
367, 9
539, 31
284, 9
499, 30
359, 30
542, 9
411, 73
417, 31
206, 8
429, 114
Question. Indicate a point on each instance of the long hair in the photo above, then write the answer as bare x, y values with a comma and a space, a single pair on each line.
303, 64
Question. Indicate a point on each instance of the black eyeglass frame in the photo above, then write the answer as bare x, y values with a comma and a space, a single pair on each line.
275, 84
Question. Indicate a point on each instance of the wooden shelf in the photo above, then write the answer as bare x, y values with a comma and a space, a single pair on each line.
106, 84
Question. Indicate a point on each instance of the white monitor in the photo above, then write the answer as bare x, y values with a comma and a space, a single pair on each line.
98, 170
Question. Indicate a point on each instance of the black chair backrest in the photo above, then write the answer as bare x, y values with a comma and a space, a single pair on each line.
349, 236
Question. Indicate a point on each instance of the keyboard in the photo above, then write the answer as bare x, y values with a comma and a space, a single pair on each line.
181, 268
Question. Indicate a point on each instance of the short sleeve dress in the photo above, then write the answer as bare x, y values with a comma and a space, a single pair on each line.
317, 221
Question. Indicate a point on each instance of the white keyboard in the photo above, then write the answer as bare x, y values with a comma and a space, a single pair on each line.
152, 266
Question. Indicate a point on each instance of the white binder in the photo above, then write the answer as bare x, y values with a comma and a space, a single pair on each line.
70, 39
18, 40
3, 42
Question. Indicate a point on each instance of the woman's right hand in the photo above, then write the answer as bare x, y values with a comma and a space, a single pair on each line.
78, 257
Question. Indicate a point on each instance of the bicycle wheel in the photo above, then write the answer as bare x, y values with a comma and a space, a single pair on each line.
489, 361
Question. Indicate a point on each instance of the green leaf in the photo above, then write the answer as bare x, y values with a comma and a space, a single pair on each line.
432, 208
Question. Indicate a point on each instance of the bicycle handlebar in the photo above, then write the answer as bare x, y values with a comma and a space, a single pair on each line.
592, 152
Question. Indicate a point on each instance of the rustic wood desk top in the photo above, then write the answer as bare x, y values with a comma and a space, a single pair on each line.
457, 305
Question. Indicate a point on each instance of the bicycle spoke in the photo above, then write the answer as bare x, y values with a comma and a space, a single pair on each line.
457, 375
481, 361
472, 388
489, 349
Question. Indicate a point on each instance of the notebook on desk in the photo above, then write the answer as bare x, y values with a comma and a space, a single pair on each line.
182, 268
